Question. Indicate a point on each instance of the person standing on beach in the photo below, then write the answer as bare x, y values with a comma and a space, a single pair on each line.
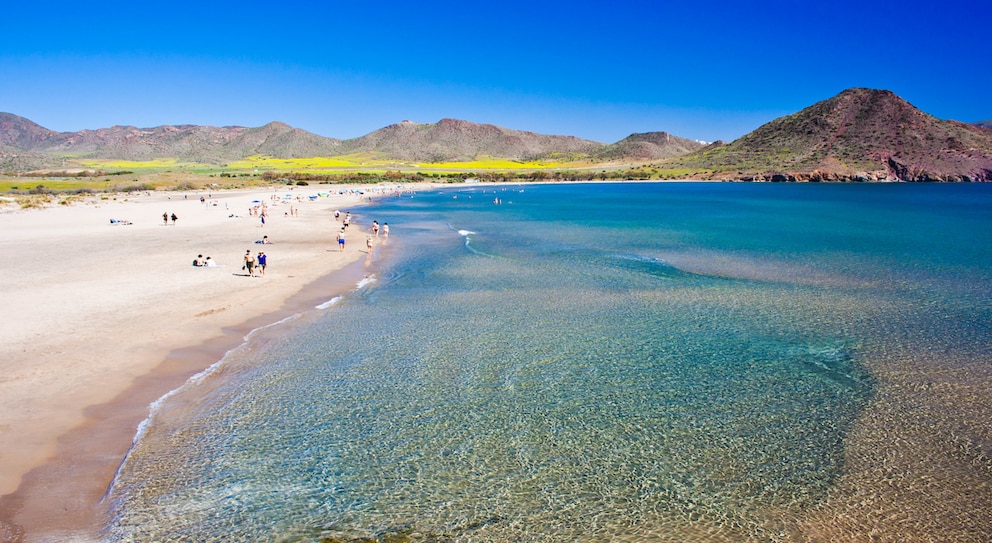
249, 263
174, 217
262, 261
385, 230
341, 239
165, 218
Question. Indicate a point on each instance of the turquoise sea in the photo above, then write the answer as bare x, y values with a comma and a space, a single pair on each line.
602, 363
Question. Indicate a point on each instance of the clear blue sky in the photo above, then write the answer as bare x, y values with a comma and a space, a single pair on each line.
704, 70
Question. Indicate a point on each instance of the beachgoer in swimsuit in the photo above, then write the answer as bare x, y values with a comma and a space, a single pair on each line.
250, 263
262, 261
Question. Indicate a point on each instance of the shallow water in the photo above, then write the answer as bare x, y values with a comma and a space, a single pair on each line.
617, 362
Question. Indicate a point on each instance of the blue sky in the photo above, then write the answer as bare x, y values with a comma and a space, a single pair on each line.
705, 70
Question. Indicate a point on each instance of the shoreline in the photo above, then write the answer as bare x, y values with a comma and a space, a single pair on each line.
86, 359
871, 457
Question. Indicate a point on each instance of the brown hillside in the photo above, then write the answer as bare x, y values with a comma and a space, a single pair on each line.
648, 146
858, 134
193, 143
18, 133
456, 140
24, 143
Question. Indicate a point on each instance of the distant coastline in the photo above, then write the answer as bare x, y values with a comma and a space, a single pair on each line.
859, 135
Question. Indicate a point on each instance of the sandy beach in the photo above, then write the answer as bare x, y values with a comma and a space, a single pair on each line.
102, 318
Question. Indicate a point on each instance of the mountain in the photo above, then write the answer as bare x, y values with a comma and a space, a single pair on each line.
860, 134
451, 140
188, 142
648, 146
20, 133
984, 124
17, 137
24, 144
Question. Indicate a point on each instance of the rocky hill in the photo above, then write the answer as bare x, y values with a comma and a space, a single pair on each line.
860, 134
648, 146
187, 142
20, 133
26, 145
454, 140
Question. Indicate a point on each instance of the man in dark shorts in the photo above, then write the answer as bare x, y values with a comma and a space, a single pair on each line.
250, 263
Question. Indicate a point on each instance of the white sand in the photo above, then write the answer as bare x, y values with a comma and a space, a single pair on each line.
90, 307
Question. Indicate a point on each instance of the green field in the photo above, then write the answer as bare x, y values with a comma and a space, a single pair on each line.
82, 176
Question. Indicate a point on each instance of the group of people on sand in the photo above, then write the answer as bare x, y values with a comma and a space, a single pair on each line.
201, 262
253, 264
166, 217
